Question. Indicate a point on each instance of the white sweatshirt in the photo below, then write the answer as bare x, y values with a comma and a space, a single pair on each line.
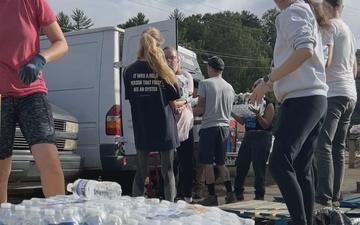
297, 29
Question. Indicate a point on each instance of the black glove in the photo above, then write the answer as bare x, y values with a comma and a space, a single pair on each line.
30, 71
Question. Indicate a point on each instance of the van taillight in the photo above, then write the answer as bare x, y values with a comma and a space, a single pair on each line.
113, 125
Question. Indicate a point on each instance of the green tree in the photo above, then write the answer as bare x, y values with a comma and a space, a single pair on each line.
137, 20
81, 21
64, 22
176, 14
268, 26
249, 19
236, 37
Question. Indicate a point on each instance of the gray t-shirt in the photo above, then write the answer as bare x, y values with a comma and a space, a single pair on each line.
219, 97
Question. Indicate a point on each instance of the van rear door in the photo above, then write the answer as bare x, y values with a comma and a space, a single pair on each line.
132, 35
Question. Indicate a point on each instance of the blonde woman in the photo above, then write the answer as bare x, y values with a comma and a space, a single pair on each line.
152, 89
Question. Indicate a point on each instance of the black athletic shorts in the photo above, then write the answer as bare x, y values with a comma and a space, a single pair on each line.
34, 116
212, 145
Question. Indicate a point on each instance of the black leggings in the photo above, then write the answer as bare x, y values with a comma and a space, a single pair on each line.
300, 121
186, 157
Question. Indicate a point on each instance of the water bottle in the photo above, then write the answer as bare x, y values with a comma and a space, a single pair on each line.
113, 220
34, 217
77, 213
69, 218
49, 217
92, 189
18, 215
58, 212
93, 217
27, 203
5, 213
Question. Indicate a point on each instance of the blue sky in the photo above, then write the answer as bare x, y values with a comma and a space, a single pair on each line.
113, 12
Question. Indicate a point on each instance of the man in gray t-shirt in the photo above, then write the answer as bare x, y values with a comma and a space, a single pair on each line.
216, 97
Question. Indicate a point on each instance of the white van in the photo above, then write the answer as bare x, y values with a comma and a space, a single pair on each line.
87, 83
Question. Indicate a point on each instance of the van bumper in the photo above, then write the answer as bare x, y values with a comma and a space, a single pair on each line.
111, 158
113, 161
25, 174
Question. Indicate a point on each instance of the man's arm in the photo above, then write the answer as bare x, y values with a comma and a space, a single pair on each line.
200, 108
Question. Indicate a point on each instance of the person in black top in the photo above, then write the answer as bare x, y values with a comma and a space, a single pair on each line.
152, 89
254, 148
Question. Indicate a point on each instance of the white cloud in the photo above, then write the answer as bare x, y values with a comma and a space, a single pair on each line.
113, 12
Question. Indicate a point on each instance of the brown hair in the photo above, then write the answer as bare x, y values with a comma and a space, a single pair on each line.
149, 50
320, 15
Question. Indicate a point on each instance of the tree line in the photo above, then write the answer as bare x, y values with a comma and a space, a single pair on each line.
243, 40
76, 21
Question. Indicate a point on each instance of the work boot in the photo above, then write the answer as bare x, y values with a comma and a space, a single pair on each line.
198, 194
240, 197
210, 200
230, 198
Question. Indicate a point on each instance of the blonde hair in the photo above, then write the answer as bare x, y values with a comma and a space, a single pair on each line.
150, 51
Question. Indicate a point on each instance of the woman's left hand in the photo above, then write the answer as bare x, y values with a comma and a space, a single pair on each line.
258, 93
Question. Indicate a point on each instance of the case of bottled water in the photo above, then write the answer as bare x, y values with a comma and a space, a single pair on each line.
242, 103
120, 210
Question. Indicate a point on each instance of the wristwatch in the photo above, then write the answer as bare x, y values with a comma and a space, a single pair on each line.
267, 80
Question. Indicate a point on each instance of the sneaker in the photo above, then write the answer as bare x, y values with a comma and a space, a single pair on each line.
179, 199
230, 198
240, 197
210, 200
336, 205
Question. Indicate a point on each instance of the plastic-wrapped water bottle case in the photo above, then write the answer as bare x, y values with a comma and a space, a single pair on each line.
242, 103
98, 208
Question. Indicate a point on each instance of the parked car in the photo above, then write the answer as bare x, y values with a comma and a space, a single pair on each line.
24, 172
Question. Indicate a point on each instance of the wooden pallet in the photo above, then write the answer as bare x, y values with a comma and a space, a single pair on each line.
275, 212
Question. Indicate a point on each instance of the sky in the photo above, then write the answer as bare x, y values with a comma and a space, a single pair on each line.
113, 12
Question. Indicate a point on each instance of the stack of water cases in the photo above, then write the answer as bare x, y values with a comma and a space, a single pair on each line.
121, 210
242, 103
